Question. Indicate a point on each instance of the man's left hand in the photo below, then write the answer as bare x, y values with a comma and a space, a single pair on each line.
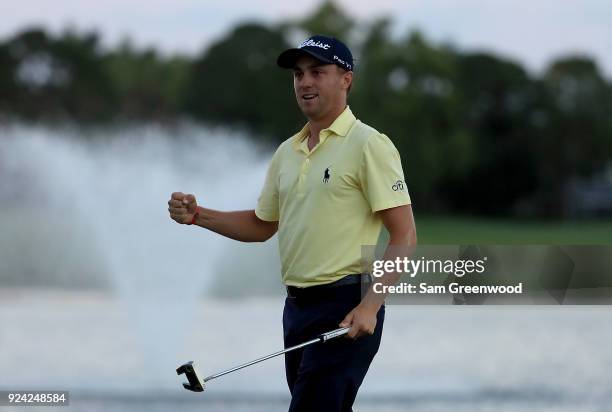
362, 321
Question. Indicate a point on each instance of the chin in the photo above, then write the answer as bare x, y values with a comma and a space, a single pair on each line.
310, 112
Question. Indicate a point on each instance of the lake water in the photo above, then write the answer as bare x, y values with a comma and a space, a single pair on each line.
432, 358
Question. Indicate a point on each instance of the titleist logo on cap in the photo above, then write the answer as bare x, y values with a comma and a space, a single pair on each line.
313, 43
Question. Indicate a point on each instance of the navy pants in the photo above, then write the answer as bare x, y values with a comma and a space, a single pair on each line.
325, 377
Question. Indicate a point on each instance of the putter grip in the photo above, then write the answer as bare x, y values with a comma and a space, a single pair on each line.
333, 334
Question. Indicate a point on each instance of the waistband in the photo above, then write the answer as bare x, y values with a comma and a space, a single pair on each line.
353, 282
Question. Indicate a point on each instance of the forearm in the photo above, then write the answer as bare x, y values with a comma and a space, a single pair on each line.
398, 247
242, 225
363, 317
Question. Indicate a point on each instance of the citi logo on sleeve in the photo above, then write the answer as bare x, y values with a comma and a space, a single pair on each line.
398, 186
326, 175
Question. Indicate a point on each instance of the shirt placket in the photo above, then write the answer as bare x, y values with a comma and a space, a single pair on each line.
306, 163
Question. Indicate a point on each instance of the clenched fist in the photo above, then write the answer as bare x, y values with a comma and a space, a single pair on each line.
182, 207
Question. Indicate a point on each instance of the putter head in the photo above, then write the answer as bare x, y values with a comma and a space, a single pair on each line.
195, 383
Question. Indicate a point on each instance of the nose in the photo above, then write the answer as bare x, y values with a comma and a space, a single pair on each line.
304, 83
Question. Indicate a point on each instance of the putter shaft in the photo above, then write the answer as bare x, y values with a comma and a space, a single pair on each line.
321, 338
197, 385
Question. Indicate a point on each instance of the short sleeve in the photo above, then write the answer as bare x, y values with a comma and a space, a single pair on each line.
268, 201
381, 174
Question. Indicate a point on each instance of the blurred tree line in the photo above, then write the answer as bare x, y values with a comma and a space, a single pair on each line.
477, 133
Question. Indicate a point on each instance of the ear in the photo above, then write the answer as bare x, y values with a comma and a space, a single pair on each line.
347, 78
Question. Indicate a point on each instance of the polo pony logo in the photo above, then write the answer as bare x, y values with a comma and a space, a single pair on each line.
326, 175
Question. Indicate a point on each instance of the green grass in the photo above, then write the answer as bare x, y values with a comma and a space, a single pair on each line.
473, 230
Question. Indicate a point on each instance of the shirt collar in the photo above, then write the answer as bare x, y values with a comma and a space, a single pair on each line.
340, 127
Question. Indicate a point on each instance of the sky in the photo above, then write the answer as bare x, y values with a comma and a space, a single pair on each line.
531, 32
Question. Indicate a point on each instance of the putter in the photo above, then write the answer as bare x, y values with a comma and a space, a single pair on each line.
197, 384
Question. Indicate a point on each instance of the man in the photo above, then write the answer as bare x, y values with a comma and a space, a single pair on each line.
328, 191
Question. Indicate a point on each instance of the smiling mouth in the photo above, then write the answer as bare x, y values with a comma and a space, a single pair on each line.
309, 96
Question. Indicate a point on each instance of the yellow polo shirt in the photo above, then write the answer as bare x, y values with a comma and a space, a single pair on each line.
325, 199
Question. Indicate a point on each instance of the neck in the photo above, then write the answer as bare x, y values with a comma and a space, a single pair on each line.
316, 125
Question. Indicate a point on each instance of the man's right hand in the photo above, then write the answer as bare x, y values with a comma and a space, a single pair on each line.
182, 207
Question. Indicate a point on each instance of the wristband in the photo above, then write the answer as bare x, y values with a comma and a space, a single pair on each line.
195, 216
